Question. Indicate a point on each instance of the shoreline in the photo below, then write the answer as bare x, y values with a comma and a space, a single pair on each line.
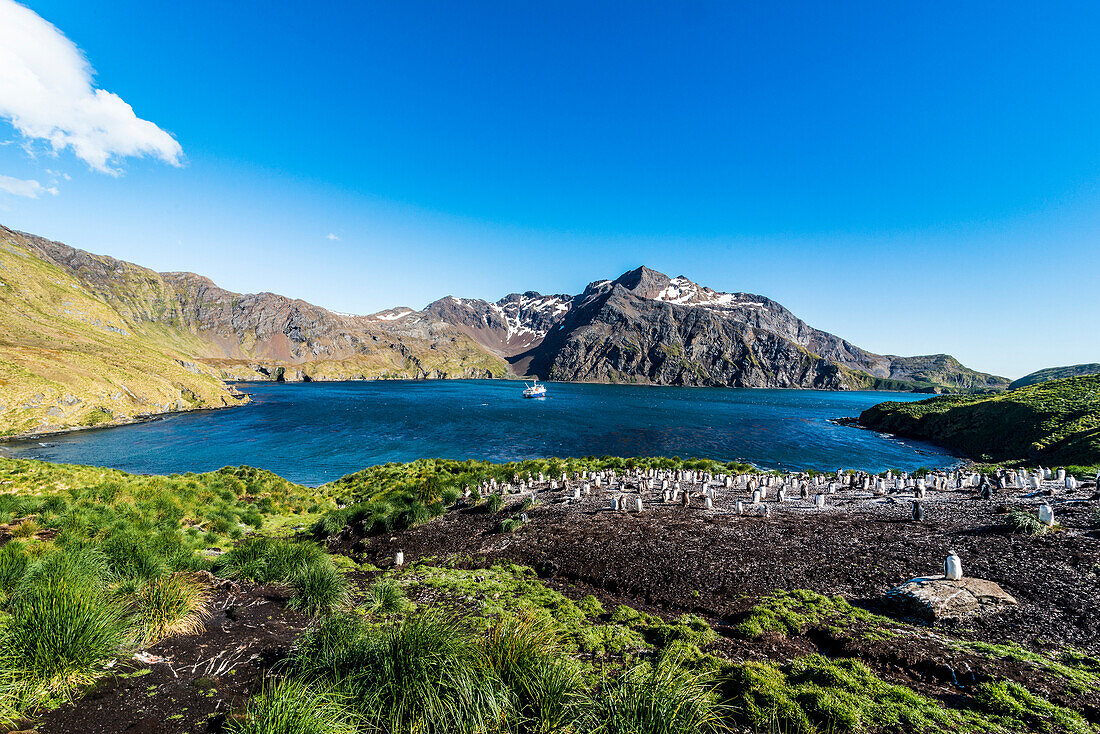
135, 420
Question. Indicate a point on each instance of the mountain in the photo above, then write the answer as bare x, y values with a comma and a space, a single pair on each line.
645, 327
89, 339
1056, 373
1053, 422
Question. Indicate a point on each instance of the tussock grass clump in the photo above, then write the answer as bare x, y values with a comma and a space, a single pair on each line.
385, 597
525, 652
318, 588
662, 698
169, 606
426, 673
25, 529
1023, 523
294, 707
268, 560
318, 585
62, 632
494, 503
511, 525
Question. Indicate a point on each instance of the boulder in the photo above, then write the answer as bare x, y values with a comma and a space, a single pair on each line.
935, 598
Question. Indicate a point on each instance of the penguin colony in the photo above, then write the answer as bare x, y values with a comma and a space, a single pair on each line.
786, 493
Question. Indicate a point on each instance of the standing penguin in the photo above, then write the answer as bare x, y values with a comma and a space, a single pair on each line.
1046, 515
918, 511
986, 492
952, 566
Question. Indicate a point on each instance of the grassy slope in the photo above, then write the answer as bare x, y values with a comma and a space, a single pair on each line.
67, 358
1056, 373
1056, 422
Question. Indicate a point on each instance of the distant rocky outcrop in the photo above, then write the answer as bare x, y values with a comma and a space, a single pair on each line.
1056, 373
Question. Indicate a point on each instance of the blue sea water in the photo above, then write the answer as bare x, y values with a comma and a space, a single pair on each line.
316, 432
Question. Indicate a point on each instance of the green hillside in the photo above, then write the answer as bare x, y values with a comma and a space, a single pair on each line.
1054, 422
67, 358
1056, 373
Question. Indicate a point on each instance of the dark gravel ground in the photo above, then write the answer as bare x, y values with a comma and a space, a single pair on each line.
718, 563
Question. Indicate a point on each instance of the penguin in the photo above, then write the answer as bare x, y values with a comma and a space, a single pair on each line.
986, 492
767, 510
685, 500
952, 566
1046, 515
820, 500
740, 507
918, 511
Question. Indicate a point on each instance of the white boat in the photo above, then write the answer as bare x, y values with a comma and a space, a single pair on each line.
534, 391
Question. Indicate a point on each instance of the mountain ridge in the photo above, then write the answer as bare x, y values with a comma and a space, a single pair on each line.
191, 336
1055, 373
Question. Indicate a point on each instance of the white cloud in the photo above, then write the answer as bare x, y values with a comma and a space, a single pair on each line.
24, 187
331, 236
46, 93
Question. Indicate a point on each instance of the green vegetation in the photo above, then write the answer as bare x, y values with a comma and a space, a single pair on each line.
318, 585
787, 613
1055, 422
291, 707
933, 373
71, 358
1080, 673
816, 694
101, 563
661, 697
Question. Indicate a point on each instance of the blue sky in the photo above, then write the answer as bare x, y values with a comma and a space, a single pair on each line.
915, 177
